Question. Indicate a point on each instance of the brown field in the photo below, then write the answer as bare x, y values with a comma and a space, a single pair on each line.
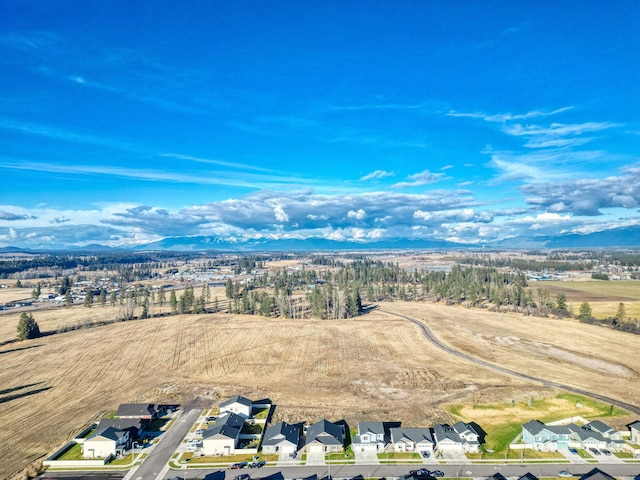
375, 367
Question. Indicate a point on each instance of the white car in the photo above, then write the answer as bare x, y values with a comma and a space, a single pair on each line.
194, 444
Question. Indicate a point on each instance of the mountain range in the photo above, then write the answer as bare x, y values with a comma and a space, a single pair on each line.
625, 237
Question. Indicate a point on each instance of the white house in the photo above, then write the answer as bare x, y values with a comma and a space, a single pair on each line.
635, 432
281, 438
239, 405
370, 438
412, 440
222, 437
325, 437
105, 443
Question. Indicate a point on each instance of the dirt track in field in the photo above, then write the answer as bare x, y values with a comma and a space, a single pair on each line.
374, 367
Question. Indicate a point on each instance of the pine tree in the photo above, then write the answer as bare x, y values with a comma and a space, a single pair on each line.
27, 327
173, 302
585, 312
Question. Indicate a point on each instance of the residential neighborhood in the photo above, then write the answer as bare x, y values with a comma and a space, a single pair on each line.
239, 433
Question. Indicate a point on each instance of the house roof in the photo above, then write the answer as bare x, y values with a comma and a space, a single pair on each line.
635, 425
281, 432
596, 474
442, 431
121, 423
237, 399
599, 426
111, 433
534, 427
227, 425
135, 410
464, 428
376, 428
528, 476
326, 433
584, 434
415, 435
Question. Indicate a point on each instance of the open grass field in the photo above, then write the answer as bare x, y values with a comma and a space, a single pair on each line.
374, 367
502, 421
603, 296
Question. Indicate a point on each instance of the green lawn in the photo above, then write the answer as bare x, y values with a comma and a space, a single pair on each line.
398, 456
73, 453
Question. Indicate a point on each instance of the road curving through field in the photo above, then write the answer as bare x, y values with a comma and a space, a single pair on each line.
435, 341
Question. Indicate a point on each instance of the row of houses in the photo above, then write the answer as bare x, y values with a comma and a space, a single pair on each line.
225, 436
594, 434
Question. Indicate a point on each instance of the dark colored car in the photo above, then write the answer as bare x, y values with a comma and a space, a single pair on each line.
235, 466
437, 473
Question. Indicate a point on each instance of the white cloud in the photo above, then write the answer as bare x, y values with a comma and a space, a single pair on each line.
359, 215
376, 175
418, 179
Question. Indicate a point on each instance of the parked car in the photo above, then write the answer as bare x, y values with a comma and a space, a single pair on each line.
425, 454
210, 419
199, 432
242, 476
564, 474
595, 451
573, 451
605, 451
194, 444
235, 466
437, 473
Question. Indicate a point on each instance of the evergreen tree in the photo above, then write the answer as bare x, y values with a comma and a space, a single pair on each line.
18, 284
161, 297
27, 327
561, 302
67, 298
621, 314
173, 302
585, 312
88, 299
113, 298
103, 297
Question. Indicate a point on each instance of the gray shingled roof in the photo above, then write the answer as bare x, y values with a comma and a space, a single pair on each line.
442, 431
415, 435
121, 423
376, 428
111, 433
326, 433
600, 427
584, 434
228, 425
135, 410
281, 432
237, 399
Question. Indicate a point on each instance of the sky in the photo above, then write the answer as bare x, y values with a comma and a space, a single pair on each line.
122, 123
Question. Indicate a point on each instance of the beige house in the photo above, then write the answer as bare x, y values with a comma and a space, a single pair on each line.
222, 437
106, 443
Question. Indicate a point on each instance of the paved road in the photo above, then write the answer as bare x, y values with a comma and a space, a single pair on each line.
429, 335
155, 465
390, 471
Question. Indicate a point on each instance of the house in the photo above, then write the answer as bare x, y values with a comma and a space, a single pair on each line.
222, 437
370, 438
105, 443
605, 430
145, 411
239, 405
469, 436
135, 426
446, 438
635, 431
585, 438
281, 438
528, 476
325, 437
548, 438
412, 440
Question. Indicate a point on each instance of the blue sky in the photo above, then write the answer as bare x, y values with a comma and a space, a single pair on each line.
123, 123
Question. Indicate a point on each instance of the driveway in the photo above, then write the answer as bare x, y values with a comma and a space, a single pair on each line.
572, 457
454, 456
314, 458
368, 457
